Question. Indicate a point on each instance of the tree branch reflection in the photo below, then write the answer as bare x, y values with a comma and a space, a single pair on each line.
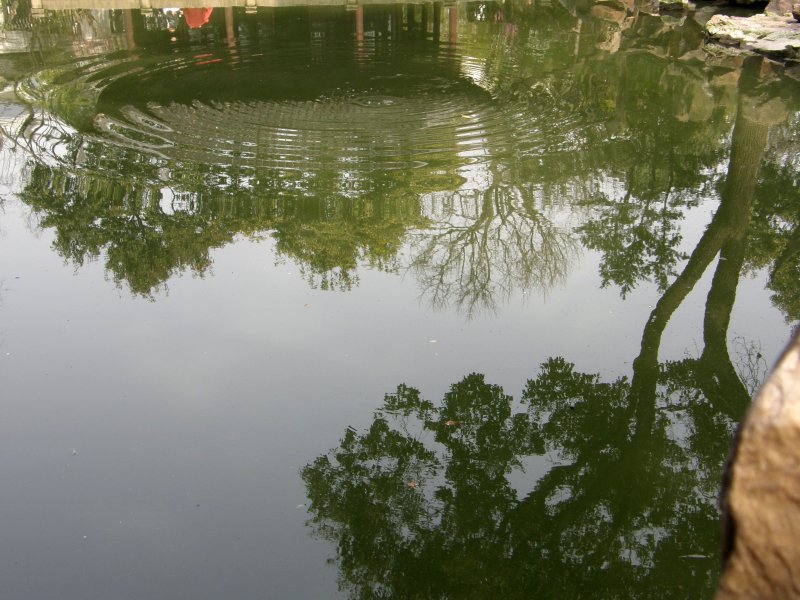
627, 142
433, 501
624, 473
485, 245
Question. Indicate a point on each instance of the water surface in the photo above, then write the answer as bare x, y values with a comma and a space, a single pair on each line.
411, 301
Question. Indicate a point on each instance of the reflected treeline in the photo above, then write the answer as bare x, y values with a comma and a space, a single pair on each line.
654, 131
773, 239
584, 488
435, 501
147, 238
640, 240
546, 127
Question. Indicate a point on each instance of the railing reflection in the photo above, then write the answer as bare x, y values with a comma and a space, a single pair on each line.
145, 28
38, 25
38, 7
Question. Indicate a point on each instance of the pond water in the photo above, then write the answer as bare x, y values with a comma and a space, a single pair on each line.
370, 300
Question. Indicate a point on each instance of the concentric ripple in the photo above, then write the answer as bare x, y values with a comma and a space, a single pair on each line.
232, 115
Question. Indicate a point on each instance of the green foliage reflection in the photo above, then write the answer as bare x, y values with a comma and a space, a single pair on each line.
146, 235
607, 131
436, 501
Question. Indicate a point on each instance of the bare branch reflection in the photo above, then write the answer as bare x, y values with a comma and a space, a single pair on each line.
485, 245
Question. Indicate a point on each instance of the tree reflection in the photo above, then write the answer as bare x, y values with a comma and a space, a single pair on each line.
330, 240
572, 142
668, 151
146, 237
142, 245
774, 236
486, 244
423, 504
639, 236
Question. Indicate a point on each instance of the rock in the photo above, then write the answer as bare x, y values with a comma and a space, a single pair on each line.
696, 56
780, 8
765, 110
612, 14
796, 12
629, 5
727, 80
609, 40
770, 35
677, 5
761, 492
725, 89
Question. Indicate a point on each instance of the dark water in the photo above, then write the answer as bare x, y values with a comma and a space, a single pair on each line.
394, 301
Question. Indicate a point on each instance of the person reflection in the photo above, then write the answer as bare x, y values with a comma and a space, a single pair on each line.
195, 18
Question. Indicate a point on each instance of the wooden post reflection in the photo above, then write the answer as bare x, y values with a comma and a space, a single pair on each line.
424, 20
453, 24
229, 35
359, 28
437, 20
397, 21
410, 17
127, 18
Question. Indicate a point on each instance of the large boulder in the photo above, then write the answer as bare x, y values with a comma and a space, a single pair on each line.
761, 492
768, 34
781, 8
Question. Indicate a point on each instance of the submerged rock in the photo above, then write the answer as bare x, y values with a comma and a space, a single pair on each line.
610, 13
782, 8
768, 34
761, 492
670, 5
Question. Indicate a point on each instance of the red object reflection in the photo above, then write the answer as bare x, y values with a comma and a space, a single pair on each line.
197, 17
